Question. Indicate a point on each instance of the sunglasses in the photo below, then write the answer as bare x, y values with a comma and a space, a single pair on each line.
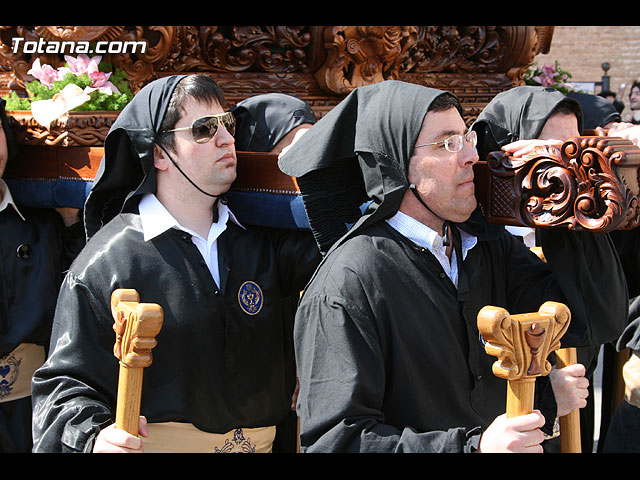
205, 128
454, 143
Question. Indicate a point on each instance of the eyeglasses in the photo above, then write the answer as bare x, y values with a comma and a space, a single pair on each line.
205, 128
454, 143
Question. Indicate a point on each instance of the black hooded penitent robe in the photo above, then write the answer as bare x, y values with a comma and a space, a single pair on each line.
218, 364
35, 250
387, 349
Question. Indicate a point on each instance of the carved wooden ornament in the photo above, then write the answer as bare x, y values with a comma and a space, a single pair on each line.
522, 344
136, 326
589, 183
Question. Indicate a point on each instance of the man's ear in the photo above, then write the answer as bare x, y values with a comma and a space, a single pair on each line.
160, 159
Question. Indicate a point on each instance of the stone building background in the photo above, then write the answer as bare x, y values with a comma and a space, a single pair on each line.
581, 50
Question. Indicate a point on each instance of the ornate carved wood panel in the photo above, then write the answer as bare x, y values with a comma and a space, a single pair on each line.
589, 183
320, 64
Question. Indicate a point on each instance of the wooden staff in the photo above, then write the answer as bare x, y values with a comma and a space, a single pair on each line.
522, 343
569, 424
136, 326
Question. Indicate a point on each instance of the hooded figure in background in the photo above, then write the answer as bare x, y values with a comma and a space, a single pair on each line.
219, 377
37, 245
391, 313
597, 111
518, 114
263, 121
527, 113
269, 123
522, 113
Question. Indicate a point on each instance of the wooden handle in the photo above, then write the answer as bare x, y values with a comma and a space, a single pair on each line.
129, 398
136, 326
522, 343
520, 395
569, 424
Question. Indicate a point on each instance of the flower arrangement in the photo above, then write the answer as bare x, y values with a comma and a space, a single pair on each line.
548, 76
82, 84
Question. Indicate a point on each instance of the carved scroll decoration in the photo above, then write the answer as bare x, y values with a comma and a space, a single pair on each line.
77, 129
320, 64
363, 55
590, 183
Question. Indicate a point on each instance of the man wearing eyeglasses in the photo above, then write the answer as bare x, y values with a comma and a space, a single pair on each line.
157, 222
388, 351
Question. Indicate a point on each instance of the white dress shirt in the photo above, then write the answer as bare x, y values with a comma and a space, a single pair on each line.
6, 199
156, 219
428, 238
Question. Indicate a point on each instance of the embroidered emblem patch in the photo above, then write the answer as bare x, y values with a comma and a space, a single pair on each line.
9, 370
250, 298
239, 444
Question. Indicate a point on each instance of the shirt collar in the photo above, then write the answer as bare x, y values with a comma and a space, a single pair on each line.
6, 199
156, 219
424, 236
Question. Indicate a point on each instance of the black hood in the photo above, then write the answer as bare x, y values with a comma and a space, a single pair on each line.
517, 114
127, 167
597, 111
262, 121
359, 152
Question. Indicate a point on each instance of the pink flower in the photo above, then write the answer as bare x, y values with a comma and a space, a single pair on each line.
101, 80
544, 80
81, 64
46, 74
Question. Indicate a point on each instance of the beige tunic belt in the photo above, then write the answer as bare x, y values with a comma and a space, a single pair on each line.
174, 437
16, 370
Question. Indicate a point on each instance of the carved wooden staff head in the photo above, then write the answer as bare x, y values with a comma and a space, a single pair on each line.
523, 342
136, 326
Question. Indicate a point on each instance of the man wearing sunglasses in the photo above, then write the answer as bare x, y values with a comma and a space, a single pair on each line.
388, 351
157, 222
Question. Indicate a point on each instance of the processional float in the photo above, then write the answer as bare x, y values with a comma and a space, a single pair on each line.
590, 183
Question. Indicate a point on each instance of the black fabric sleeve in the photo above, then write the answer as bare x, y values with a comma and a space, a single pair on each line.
590, 276
74, 391
342, 377
298, 256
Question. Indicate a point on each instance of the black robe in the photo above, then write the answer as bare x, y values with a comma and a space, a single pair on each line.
380, 324
388, 351
214, 366
35, 251
34, 254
